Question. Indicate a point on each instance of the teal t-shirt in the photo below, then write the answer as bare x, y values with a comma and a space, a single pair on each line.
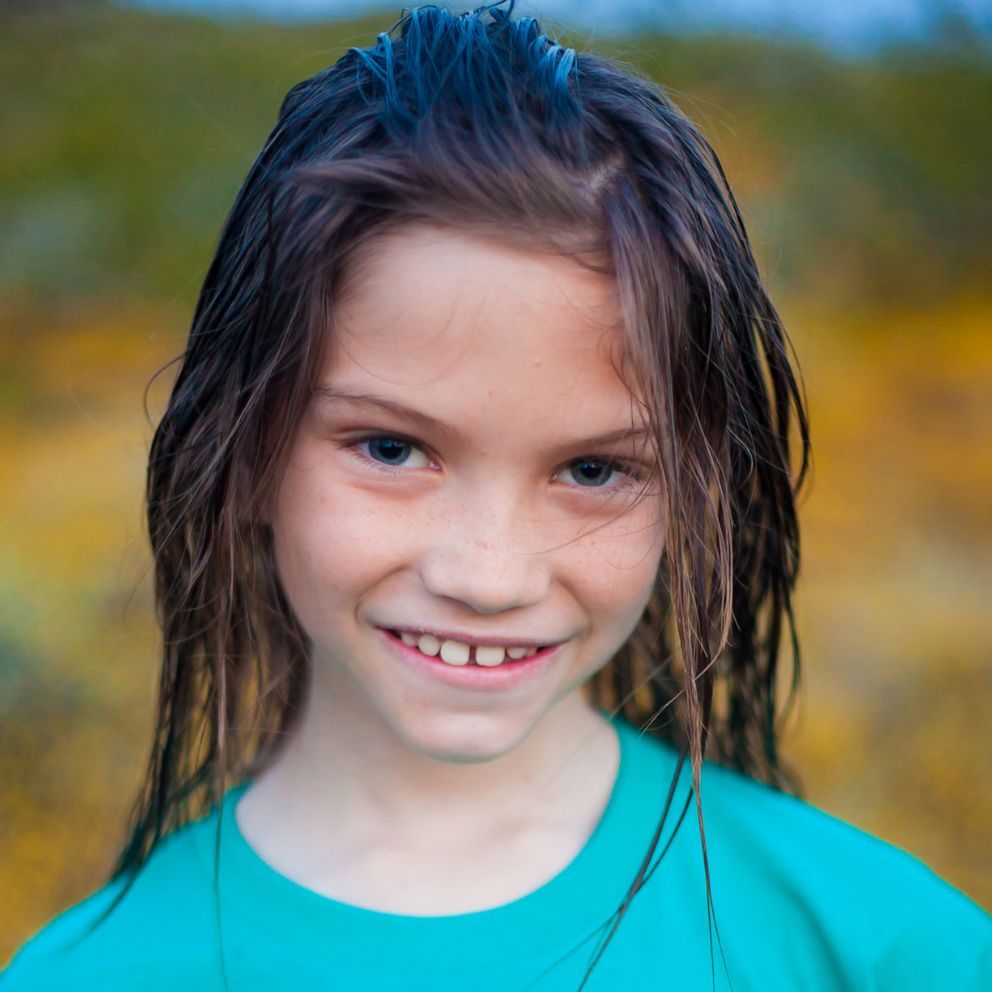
803, 902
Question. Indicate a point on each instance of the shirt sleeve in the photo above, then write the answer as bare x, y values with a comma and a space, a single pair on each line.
941, 940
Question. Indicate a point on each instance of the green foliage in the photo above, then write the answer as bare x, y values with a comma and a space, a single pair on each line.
127, 134
126, 137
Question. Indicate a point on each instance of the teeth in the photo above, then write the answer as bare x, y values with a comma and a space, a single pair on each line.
455, 653
428, 644
489, 657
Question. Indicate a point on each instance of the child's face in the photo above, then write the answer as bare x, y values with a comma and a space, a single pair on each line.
445, 481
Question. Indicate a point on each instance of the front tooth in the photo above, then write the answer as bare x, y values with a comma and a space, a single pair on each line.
516, 653
407, 638
489, 656
428, 644
455, 653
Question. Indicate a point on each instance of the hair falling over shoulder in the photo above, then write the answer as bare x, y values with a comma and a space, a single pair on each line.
482, 122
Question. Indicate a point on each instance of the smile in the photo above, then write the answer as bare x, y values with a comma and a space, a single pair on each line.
458, 653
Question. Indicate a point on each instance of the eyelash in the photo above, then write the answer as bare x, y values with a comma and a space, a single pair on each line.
634, 473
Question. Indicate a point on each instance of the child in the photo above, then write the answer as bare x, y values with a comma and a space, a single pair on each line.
474, 526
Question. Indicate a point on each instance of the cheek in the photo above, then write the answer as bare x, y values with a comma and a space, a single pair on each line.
331, 545
615, 570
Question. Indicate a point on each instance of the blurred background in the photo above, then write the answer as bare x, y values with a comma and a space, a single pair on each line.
860, 147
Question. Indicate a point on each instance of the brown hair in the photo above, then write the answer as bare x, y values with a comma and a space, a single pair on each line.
481, 122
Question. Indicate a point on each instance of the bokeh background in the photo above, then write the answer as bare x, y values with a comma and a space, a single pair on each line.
861, 152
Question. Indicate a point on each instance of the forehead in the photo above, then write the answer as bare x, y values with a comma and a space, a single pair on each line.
464, 321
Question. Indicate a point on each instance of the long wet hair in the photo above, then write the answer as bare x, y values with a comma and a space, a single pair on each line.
481, 122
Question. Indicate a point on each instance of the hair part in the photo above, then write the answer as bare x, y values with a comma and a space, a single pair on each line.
481, 122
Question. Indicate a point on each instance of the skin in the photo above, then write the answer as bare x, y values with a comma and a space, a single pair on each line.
484, 526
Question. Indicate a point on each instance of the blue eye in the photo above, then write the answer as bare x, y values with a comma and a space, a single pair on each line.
389, 450
591, 473
393, 452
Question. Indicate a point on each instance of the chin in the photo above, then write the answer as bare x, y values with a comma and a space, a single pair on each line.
465, 738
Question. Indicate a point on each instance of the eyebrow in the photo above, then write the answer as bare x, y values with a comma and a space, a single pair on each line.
335, 394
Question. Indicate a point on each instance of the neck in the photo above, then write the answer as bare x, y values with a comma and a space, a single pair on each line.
344, 757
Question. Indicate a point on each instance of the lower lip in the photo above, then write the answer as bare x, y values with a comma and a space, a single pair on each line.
502, 676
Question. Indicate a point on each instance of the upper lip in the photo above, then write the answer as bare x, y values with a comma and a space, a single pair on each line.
479, 640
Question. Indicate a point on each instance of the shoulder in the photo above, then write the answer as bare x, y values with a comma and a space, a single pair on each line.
812, 848
159, 927
880, 914
866, 908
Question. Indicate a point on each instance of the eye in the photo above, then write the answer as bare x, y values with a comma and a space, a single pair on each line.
393, 452
596, 473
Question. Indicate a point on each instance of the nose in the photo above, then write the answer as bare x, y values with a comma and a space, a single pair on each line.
485, 561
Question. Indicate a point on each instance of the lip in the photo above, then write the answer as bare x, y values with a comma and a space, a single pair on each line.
479, 640
506, 675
